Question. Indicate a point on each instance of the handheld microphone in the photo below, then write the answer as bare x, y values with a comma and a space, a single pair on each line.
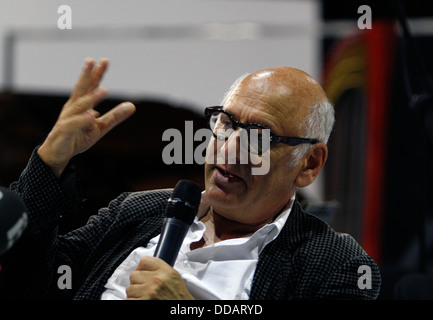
13, 218
181, 210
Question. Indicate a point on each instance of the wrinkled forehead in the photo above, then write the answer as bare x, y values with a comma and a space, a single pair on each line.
284, 91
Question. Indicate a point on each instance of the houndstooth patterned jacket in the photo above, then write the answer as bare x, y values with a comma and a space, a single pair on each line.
308, 260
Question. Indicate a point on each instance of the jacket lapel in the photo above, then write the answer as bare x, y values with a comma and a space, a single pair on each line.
276, 273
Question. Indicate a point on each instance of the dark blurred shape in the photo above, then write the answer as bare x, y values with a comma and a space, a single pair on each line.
129, 158
324, 210
414, 287
13, 219
395, 215
385, 9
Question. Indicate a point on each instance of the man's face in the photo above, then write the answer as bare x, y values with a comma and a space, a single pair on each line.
233, 191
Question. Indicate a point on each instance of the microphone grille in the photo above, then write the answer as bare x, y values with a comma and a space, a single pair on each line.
184, 201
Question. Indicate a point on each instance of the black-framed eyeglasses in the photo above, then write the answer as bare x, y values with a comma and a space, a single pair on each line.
255, 137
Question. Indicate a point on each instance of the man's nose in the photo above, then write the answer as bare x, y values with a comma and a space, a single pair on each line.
232, 149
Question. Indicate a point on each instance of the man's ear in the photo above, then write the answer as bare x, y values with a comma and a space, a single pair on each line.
312, 165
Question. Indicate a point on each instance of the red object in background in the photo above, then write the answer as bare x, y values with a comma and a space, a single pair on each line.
380, 45
362, 61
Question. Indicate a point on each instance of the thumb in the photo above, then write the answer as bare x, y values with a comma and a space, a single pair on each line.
115, 116
149, 263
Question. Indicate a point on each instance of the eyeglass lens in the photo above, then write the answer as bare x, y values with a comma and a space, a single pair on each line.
252, 137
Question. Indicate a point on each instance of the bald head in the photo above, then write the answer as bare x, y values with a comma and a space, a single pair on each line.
296, 87
291, 94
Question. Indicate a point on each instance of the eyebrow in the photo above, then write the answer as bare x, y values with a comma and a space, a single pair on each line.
265, 126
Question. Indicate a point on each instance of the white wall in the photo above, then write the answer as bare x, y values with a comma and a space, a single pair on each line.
188, 67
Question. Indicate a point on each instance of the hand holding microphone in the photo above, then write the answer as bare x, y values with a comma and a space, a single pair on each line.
156, 279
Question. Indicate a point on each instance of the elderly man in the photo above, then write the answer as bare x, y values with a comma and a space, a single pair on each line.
250, 239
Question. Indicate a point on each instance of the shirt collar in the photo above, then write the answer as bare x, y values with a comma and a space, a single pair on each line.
265, 234
270, 231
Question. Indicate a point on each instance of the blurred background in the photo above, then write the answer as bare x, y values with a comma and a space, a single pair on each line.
173, 58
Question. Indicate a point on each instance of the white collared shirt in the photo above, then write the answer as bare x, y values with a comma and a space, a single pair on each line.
223, 270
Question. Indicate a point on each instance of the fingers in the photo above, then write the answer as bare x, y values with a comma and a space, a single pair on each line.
154, 279
151, 264
97, 74
147, 266
79, 126
84, 103
83, 80
87, 93
89, 78
115, 116
142, 285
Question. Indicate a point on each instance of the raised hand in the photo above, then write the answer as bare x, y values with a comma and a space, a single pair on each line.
79, 126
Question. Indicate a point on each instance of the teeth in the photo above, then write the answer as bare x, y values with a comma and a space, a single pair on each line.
226, 174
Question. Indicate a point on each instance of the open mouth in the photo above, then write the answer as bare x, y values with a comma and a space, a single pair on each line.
230, 176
